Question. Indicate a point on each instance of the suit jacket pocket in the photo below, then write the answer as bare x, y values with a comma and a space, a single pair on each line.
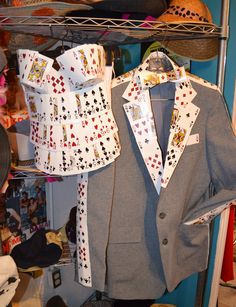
193, 244
193, 147
125, 235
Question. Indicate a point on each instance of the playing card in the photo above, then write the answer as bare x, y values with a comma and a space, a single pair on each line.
78, 67
180, 133
144, 128
84, 159
70, 107
81, 65
208, 216
193, 139
123, 78
24, 57
150, 79
82, 239
90, 101
45, 160
145, 134
136, 110
33, 104
34, 132
133, 90
93, 59
183, 117
152, 157
108, 122
56, 83
36, 70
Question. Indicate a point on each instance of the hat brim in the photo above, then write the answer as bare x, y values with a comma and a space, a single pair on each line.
56, 9
18, 40
203, 49
5, 156
29, 42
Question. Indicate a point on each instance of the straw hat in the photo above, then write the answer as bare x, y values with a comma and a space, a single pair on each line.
43, 8
194, 11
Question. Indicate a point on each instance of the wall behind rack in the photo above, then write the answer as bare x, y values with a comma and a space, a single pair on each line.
208, 70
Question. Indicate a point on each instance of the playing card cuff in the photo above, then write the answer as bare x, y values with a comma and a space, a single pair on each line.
207, 217
84, 159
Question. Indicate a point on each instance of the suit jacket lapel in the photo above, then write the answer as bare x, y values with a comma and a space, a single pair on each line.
184, 115
139, 113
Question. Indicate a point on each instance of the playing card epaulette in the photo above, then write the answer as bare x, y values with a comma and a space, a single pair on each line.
202, 81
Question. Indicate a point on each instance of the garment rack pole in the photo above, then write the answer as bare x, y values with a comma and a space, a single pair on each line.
223, 44
223, 224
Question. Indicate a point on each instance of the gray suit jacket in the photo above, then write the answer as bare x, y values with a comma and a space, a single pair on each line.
140, 244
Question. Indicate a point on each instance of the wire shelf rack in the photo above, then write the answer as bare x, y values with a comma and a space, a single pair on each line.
30, 173
106, 31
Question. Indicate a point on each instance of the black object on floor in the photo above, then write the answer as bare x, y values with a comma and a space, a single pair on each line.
133, 303
56, 301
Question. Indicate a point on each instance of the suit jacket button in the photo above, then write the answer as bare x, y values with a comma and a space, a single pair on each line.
165, 241
162, 215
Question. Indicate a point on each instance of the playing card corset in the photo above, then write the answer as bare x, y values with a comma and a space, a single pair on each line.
73, 128
84, 65
84, 159
73, 135
70, 107
79, 66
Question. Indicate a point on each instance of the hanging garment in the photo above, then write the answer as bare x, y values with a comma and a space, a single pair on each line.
71, 122
150, 230
227, 272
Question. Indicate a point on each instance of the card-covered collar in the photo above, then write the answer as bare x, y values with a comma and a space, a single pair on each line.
139, 113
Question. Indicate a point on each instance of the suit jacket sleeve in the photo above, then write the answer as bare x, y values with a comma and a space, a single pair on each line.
221, 160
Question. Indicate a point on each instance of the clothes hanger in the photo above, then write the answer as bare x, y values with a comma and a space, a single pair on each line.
98, 299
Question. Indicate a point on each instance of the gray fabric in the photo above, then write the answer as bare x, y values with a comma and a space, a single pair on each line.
162, 106
22, 127
136, 250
